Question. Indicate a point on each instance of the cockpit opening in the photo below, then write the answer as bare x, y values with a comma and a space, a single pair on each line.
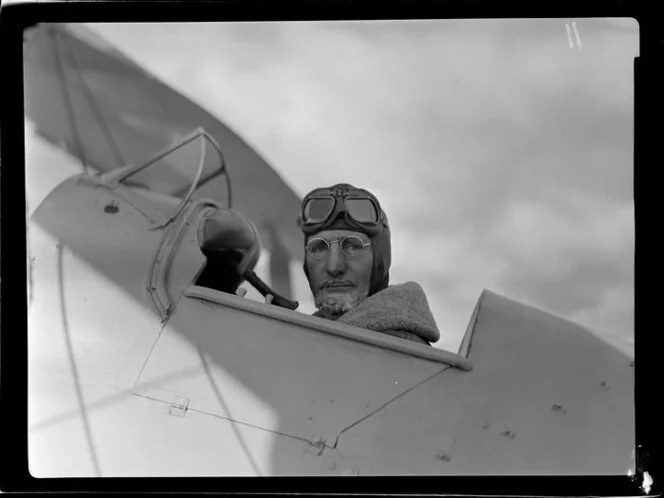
221, 270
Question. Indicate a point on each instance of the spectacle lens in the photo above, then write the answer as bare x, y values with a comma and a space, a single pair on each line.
350, 246
317, 247
318, 209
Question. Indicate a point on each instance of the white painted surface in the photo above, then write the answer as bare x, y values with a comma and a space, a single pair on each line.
277, 375
544, 397
287, 379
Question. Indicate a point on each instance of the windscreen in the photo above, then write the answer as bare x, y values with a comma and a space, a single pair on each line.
174, 170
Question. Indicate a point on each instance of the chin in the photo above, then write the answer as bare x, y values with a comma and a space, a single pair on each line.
337, 302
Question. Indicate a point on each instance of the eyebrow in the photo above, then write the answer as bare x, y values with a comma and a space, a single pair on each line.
338, 239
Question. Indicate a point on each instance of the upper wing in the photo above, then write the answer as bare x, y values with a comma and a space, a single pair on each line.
85, 96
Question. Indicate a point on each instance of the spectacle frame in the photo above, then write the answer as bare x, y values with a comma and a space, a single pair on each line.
350, 245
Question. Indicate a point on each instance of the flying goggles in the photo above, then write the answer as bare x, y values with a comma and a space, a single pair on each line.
359, 207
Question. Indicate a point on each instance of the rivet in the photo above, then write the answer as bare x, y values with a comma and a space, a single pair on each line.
441, 455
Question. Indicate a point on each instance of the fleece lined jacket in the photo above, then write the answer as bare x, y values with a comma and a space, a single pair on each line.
400, 310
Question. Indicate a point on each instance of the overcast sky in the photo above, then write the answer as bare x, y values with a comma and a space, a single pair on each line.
501, 150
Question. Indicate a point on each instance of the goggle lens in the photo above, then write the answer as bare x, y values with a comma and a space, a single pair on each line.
317, 210
362, 210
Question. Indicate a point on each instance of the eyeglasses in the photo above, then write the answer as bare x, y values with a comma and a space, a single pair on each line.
351, 246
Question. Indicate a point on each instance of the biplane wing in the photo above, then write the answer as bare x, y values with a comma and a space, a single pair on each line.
83, 95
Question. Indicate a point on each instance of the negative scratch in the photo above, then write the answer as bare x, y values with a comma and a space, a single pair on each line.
576, 34
31, 285
569, 36
72, 364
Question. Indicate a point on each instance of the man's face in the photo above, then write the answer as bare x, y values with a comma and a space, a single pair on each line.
338, 281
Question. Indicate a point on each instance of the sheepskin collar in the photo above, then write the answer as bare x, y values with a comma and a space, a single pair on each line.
401, 307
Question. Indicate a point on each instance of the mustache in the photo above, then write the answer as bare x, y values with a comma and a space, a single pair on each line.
331, 284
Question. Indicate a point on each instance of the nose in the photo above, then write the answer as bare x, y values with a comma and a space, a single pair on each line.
336, 261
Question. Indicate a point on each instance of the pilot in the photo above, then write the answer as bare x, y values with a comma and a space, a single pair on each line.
347, 263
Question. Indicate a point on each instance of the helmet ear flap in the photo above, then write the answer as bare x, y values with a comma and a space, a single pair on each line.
304, 263
382, 260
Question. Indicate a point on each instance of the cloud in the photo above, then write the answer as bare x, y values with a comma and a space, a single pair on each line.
555, 239
502, 157
614, 315
569, 259
567, 254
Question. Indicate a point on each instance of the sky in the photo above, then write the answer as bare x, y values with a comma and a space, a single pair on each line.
501, 150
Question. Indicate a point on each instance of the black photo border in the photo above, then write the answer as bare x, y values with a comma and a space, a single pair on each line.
14, 19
